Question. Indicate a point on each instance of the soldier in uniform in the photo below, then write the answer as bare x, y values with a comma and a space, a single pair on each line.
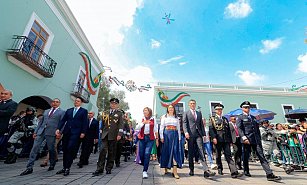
221, 138
112, 132
248, 129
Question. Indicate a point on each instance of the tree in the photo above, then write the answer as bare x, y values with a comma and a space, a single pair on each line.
121, 96
103, 98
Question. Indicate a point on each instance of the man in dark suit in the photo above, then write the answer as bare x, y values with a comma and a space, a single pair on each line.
91, 137
221, 138
194, 132
236, 142
120, 143
112, 131
249, 132
74, 125
7, 109
46, 130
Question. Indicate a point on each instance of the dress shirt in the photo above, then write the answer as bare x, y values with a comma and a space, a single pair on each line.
169, 121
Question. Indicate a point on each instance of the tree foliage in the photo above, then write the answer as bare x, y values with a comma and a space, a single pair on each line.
121, 96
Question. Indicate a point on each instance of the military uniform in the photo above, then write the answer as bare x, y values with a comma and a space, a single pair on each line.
268, 141
248, 128
219, 129
112, 127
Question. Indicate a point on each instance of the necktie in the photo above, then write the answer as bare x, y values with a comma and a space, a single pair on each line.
75, 111
51, 112
90, 122
111, 112
194, 114
236, 129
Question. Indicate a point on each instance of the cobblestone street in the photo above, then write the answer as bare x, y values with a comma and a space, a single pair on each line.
131, 174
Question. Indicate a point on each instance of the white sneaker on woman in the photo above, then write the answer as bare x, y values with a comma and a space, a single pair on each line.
145, 175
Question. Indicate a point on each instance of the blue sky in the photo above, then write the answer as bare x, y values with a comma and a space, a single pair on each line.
215, 46
235, 42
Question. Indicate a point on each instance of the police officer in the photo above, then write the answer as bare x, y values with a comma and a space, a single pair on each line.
221, 137
249, 132
112, 132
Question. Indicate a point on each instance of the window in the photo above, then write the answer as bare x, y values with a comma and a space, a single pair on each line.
286, 109
38, 39
212, 104
254, 105
179, 107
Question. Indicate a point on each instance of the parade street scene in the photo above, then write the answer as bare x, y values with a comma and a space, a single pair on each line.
153, 92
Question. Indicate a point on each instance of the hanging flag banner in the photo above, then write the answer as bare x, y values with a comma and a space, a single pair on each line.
92, 84
166, 102
302, 88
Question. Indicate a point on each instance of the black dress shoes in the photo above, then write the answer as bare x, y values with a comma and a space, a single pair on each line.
208, 173
247, 174
61, 171
191, 173
66, 172
80, 165
27, 171
117, 165
272, 177
236, 174
220, 172
97, 172
51, 168
108, 172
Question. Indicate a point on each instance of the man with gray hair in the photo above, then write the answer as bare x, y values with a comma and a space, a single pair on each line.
7, 109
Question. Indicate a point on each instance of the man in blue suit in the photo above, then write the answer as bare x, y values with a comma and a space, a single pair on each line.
46, 130
73, 126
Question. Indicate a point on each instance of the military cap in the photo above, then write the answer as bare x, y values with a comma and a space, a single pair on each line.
30, 109
245, 104
219, 106
115, 100
302, 120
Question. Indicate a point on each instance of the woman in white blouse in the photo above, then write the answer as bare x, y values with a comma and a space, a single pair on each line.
170, 137
147, 136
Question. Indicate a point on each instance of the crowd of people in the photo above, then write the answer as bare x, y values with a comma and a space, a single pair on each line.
177, 139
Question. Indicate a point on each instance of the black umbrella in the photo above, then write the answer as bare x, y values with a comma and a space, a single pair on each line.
297, 114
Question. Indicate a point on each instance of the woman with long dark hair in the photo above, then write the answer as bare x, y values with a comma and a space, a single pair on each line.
147, 136
171, 155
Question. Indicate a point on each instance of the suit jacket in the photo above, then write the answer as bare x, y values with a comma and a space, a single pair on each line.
194, 128
248, 128
112, 125
7, 110
222, 135
93, 130
233, 133
74, 124
49, 124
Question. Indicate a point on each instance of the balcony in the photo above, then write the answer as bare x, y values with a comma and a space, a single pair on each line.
26, 55
80, 91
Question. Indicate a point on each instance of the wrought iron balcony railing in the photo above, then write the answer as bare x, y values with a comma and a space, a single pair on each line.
80, 91
29, 54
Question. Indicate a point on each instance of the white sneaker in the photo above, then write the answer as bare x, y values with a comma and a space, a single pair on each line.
145, 175
213, 167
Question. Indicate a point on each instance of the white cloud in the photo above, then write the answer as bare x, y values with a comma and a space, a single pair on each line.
239, 9
162, 62
182, 63
249, 78
155, 44
105, 21
269, 45
302, 66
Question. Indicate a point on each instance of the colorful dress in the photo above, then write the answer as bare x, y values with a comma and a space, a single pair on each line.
171, 153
